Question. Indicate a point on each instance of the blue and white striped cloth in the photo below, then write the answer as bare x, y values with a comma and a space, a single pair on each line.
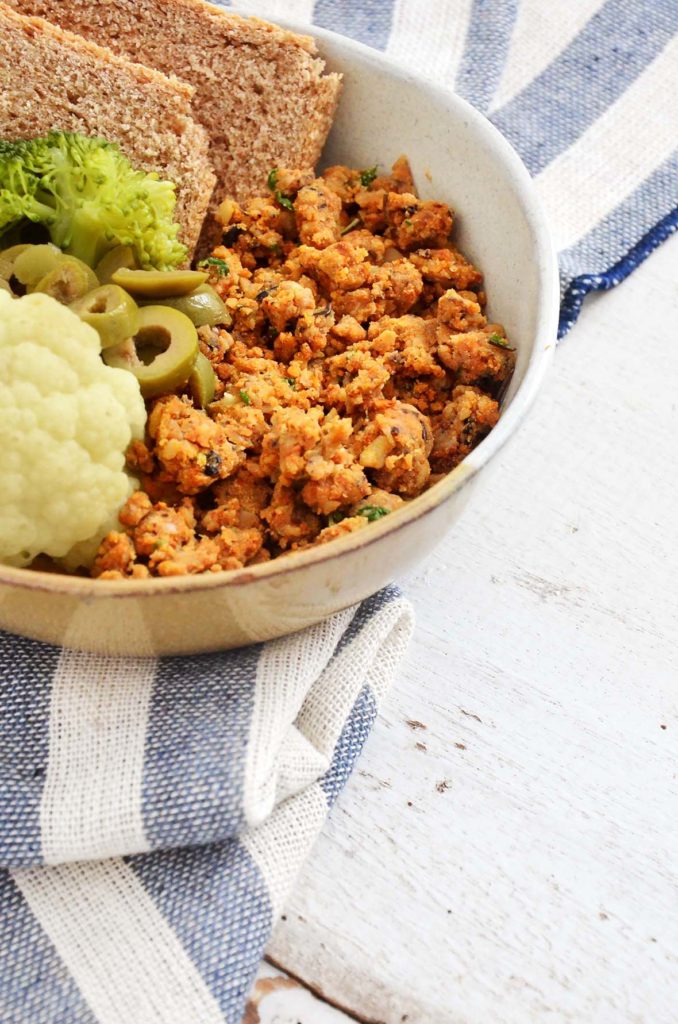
153, 815
585, 91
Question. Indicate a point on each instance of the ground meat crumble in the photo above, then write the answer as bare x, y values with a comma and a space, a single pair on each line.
357, 366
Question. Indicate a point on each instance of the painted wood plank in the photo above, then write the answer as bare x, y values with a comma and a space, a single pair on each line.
507, 849
278, 999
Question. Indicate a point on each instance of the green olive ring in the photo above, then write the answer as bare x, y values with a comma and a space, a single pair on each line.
8, 258
35, 262
202, 306
162, 354
68, 281
202, 382
158, 284
121, 257
111, 312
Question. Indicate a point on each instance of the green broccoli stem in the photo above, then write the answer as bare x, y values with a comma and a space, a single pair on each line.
81, 235
89, 197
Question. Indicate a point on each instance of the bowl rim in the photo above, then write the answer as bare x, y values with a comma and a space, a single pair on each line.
548, 301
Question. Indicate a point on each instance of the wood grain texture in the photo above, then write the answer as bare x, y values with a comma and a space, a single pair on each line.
278, 999
507, 849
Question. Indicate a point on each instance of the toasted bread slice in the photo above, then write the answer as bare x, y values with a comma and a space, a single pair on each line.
260, 91
50, 78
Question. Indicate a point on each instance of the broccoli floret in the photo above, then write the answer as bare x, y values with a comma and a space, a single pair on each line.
89, 197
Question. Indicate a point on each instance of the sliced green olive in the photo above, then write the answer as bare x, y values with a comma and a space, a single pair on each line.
70, 279
8, 258
203, 307
202, 382
163, 352
35, 262
158, 284
110, 311
120, 258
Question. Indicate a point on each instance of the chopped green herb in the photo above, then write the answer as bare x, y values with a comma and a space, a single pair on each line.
286, 203
272, 179
367, 176
335, 517
221, 266
272, 182
496, 339
245, 397
162, 542
291, 381
408, 222
372, 512
351, 224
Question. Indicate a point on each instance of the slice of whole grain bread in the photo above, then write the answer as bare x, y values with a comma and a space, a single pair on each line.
260, 91
50, 78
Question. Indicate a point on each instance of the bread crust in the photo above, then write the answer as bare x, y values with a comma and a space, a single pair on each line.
51, 78
260, 91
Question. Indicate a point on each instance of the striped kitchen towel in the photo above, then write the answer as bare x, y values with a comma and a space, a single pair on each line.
173, 802
585, 90
153, 815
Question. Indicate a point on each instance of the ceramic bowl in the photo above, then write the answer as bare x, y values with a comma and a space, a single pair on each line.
459, 157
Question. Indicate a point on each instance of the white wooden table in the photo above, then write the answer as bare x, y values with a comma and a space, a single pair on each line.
507, 850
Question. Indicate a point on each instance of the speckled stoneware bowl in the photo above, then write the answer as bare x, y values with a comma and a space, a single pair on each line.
457, 156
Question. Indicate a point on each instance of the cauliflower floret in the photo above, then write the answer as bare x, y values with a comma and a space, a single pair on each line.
65, 422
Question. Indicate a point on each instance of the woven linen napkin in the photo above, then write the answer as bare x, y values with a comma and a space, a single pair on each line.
586, 91
174, 801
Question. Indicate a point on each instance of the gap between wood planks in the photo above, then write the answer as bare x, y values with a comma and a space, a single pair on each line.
261, 990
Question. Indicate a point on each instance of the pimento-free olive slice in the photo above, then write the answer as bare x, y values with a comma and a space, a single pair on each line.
202, 381
162, 353
119, 258
158, 284
203, 307
70, 279
110, 311
8, 259
35, 262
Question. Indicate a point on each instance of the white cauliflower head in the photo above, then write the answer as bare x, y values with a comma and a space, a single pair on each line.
66, 420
